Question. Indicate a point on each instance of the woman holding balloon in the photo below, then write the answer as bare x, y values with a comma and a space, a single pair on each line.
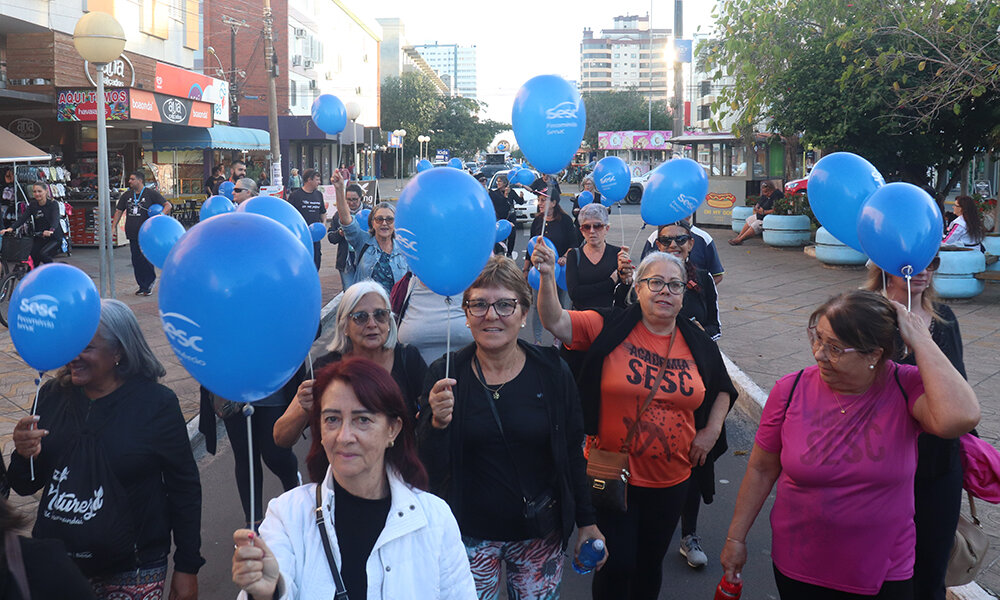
105, 423
375, 254
595, 269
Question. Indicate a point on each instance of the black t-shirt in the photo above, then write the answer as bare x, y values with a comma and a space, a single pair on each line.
136, 209
590, 286
767, 202
358, 523
310, 204
212, 183
502, 205
492, 498
560, 231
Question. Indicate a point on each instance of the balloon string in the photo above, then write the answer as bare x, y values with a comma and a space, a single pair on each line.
447, 353
621, 217
309, 362
34, 407
636, 238
909, 299
248, 410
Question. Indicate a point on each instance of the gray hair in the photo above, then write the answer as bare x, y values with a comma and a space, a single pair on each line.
589, 178
247, 184
654, 258
594, 210
341, 342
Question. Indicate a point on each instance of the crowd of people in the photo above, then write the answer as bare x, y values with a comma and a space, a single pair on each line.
453, 475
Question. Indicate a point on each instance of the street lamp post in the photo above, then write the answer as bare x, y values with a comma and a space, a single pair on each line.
100, 39
402, 150
353, 112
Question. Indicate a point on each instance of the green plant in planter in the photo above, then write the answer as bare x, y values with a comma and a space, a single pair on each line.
751, 201
796, 204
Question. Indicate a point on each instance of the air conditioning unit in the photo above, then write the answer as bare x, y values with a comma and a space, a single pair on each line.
297, 60
300, 32
312, 84
307, 64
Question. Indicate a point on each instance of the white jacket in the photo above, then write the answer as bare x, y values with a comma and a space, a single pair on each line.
418, 555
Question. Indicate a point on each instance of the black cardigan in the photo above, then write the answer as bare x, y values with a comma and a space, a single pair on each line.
618, 324
441, 449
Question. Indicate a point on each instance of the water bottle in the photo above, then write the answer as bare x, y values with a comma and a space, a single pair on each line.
590, 554
728, 591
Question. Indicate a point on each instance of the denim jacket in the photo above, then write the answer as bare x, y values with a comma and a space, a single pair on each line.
365, 254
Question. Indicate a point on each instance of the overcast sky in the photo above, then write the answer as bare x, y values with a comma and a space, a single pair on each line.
518, 39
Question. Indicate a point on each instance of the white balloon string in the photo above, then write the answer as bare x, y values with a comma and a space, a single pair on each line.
34, 408
309, 362
632, 247
447, 352
621, 218
248, 410
909, 299
885, 290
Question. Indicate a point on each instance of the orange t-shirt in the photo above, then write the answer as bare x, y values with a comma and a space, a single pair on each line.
658, 457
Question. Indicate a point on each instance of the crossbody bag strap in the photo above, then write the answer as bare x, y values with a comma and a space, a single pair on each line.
627, 444
496, 417
972, 508
341, 593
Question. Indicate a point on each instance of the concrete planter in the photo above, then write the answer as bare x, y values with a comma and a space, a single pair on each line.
955, 277
831, 251
740, 214
787, 230
992, 245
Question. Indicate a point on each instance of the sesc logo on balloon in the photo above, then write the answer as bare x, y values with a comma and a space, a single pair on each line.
608, 179
177, 327
403, 237
564, 115
689, 202
37, 311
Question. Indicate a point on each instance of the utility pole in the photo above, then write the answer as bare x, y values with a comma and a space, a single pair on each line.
678, 70
271, 59
234, 91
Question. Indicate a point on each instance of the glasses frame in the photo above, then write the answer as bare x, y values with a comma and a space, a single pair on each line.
674, 286
676, 239
833, 354
385, 314
384, 219
467, 305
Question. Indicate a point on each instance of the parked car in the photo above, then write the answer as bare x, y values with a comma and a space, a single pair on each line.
527, 208
635, 189
796, 186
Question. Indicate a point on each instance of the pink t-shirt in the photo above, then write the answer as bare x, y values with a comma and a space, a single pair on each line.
843, 508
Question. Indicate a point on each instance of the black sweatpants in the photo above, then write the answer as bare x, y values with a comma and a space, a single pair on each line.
637, 542
938, 501
793, 589
281, 461
44, 248
145, 273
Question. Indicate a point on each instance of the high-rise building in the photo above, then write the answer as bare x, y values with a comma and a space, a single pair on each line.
398, 56
455, 64
628, 55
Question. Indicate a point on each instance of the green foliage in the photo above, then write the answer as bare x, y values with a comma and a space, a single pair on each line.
625, 110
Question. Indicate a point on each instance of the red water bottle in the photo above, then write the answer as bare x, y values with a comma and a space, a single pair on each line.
728, 591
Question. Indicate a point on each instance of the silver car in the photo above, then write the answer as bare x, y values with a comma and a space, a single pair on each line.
527, 206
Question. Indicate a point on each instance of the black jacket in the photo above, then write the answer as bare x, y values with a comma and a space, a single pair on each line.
618, 324
45, 217
441, 449
146, 443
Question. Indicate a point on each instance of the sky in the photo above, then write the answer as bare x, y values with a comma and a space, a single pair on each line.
518, 39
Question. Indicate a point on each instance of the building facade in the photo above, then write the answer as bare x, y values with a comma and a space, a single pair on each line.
456, 65
628, 55
398, 56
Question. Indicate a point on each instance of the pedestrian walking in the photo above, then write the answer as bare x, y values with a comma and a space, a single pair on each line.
134, 204
309, 202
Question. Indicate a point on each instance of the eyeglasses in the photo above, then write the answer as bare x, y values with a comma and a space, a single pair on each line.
504, 307
656, 285
386, 220
592, 227
665, 240
381, 316
833, 353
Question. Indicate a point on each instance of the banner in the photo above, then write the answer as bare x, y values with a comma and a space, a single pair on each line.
633, 140
160, 108
175, 81
81, 105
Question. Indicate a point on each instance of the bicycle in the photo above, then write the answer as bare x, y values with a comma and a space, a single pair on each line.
16, 250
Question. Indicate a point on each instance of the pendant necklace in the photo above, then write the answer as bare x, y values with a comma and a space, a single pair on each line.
482, 380
843, 409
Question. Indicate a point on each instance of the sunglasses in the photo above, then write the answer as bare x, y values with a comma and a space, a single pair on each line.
665, 240
386, 220
237, 190
380, 315
934, 264
592, 227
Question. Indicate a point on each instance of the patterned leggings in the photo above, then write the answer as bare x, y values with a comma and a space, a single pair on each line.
141, 584
534, 567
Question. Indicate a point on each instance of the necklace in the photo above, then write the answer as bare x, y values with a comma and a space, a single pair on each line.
482, 381
843, 409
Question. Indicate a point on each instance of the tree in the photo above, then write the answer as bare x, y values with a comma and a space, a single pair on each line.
409, 102
622, 111
459, 128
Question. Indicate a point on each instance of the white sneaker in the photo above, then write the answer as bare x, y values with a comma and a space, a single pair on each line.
691, 550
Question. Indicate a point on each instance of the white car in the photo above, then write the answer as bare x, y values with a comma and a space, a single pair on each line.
636, 188
527, 207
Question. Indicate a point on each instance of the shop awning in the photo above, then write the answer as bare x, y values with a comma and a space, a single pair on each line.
174, 137
15, 150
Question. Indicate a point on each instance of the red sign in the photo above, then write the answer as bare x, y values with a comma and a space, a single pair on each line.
81, 105
176, 81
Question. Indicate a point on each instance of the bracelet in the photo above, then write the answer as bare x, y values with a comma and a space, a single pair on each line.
729, 539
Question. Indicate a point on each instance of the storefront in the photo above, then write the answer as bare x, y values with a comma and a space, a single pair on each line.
304, 146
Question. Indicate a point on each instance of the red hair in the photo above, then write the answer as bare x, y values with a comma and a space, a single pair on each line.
377, 391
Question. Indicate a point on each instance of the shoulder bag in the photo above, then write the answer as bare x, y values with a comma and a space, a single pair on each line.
607, 470
338, 582
969, 551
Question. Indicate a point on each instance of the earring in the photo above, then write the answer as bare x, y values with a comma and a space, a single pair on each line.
522, 324
467, 325
871, 367
392, 443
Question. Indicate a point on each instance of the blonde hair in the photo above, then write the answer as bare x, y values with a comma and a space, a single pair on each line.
877, 281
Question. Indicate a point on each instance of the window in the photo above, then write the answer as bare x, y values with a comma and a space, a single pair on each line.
292, 92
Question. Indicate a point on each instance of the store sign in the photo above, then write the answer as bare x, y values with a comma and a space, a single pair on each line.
81, 105
633, 140
26, 129
117, 73
160, 108
175, 81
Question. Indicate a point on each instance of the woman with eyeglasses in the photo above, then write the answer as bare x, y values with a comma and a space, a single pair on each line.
374, 254
364, 328
839, 439
937, 485
596, 268
646, 367
501, 436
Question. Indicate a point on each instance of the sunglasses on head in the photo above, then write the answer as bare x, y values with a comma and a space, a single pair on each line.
665, 240
592, 227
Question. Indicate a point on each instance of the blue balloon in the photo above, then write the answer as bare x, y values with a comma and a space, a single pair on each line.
282, 212
534, 278
157, 236
423, 165
216, 205
549, 118
612, 178
456, 163
531, 244
900, 228
226, 189
318, 231
608, 202
54, 313
155, 209
584, 198
329, 114
674, 190
838, 186
224, 279
445, 226
504, 227
561, 276
362, 218
524, 177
